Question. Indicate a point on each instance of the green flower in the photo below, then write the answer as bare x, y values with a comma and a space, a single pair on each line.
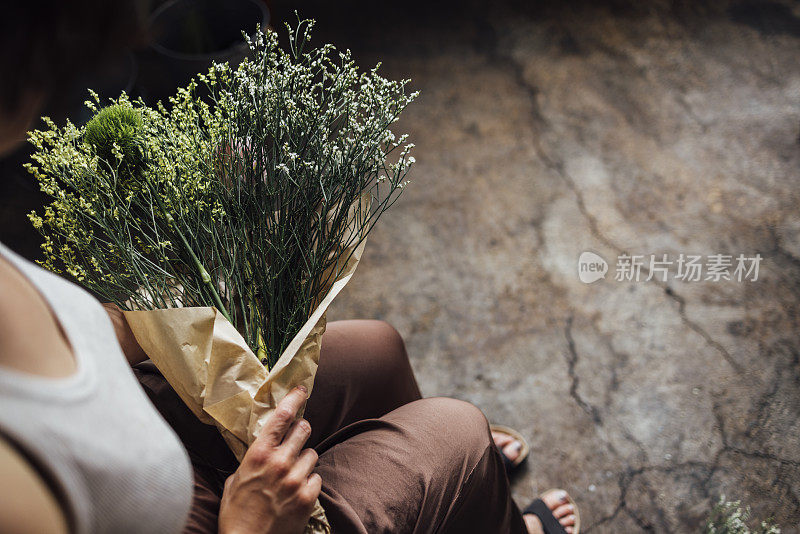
115, 135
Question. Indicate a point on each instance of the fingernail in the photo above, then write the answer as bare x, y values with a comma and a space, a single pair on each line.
303, 389
517, 446
562, 496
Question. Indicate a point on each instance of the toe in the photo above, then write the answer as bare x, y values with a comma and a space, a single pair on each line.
567, 521
533, 524
512, 450
554, 499
501, 440
569, 530
563, 511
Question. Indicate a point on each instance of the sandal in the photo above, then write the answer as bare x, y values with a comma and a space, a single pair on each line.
510, 464
550, 524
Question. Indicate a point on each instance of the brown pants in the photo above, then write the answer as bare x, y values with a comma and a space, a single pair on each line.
390, 461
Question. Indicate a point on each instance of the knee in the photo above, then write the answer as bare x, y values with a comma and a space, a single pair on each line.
390, 345
461, 412
387, 336
364, 342
461, 423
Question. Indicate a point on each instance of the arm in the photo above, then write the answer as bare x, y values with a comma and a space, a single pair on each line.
27, 505
274, 490
130, 347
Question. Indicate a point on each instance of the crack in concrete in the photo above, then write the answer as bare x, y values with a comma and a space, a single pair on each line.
668, 291
629, 475
619, 361
516, 68
700, 330
572, 360
728, 448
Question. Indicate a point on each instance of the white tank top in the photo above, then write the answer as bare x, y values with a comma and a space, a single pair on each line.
114, 463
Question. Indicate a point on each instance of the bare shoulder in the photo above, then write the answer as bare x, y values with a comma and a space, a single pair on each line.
27, 505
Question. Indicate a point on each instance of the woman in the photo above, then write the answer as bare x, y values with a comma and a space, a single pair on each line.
82, 449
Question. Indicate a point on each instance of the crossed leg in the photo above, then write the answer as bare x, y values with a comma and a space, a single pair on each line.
392, 462
363, 373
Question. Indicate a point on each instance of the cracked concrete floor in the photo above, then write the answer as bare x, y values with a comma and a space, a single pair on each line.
656, 128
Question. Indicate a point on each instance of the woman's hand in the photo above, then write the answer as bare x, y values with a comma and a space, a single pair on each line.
273, 491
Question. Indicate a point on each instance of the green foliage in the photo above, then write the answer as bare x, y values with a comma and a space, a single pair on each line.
247, 200
115, 134
731, 518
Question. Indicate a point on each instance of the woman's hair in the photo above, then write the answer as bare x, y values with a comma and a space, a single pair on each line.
48, 44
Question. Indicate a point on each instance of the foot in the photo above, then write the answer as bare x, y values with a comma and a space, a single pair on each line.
509, 446
563, 511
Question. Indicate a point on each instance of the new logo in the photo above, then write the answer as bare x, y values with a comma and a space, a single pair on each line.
591, 267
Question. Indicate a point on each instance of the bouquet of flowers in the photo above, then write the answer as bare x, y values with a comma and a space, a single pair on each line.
225, 221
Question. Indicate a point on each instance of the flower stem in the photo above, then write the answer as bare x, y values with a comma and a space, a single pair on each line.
204, 276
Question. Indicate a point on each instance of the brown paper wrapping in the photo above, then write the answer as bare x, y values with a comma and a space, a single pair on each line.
210, 366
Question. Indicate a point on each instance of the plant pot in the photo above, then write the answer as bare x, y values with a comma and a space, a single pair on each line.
188, 35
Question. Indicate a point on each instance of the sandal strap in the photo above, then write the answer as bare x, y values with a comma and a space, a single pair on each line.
549, 522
